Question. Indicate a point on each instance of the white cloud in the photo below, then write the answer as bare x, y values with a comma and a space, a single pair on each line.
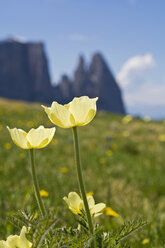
135, 70
141, 92
77, 37
147, 94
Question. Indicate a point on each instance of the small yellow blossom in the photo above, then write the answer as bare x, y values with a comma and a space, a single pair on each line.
16, 241
102, 160
35, 138
145, 241
109, 152
64, 170
75, 204
44, 193
79, 112
35, 216
110, 212
126, 119
7, 146
89, 193
162, 137
114, 147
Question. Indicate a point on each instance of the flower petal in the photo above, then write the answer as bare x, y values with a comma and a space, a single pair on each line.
91, 201
13, 241
23, 242
3, 244
83, 109
40, 137
59, 115
98, 208
19, 137
74, 202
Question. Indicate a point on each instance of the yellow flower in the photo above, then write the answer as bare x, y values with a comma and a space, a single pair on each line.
44, 193
162, 137
16, 241
108, 152
79, 112
110, 212
89, 193
114, 147
35, 216
126, 119
75, 204
35, 138
64, 170
102, 160
145, 241
7, 146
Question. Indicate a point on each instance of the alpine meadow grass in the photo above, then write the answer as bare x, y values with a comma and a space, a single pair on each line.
123, 162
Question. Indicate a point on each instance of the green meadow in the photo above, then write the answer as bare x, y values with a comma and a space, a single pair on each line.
123, 165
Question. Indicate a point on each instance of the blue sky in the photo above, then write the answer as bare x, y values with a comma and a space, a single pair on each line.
129, 33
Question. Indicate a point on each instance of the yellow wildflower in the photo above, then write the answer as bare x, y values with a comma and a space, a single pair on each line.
79, 112
114, 147
126, 119
44, 193
108, 152
162, 137
35, 138
89, 193
7, 146
64, 170
35, 216
102, 160
145, 241
75, 204
110, 212
16, 241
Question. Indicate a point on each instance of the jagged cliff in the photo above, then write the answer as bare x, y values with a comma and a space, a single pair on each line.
24, 75
95, 80
24, 71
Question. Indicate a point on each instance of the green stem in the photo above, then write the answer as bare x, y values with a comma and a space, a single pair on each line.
35, 184
80, 179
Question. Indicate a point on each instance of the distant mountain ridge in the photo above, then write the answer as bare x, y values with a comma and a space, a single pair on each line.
24, 75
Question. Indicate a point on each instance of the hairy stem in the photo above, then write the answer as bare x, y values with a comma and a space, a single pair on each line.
35, 184
80, 179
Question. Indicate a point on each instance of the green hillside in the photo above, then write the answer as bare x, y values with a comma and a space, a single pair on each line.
123, 161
